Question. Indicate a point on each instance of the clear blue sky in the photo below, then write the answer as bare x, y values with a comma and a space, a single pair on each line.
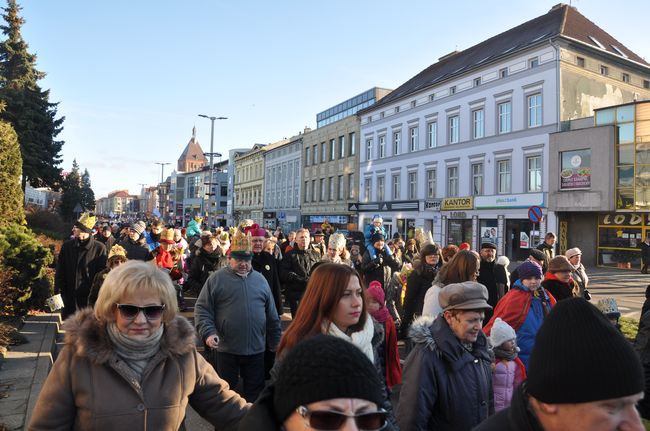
131, 76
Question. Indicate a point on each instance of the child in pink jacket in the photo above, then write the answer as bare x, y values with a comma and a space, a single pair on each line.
509, 371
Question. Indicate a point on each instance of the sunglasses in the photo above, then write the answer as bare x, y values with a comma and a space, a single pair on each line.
151, 312
327, 420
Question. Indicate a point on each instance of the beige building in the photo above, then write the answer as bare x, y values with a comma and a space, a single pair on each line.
330, 160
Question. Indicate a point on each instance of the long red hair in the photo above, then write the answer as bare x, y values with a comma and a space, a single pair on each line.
325, 289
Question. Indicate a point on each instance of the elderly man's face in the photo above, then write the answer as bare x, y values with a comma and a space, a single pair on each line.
465, 325
488, 254
242, 266
258, 243
302, 239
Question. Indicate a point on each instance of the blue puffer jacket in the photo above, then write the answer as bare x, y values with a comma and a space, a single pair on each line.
445, 386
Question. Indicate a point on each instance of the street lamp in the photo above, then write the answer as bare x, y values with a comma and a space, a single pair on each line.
211, 154
162, 178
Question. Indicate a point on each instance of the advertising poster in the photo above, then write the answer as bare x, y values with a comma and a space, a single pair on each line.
575, 170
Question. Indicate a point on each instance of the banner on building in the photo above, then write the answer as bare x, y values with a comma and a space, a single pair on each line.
575, 170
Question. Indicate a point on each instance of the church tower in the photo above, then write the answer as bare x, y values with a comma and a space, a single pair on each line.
192, 158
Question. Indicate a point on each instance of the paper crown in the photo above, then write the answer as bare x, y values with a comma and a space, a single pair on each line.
167, 236
241, 246
116, 250
86, 222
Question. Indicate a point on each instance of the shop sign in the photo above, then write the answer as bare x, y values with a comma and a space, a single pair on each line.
433, 204
575, 170
331, 219
458, 214
624, 219
450, 204
523, 200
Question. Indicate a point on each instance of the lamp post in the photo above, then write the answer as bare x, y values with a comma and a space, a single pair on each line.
211, 155
162, 178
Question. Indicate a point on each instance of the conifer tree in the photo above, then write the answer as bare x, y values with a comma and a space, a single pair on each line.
71, 193
11, 195
28, 110
87, 194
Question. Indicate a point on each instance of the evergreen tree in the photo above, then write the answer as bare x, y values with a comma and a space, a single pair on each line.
11, 195
71, 195
29, 110
87, 194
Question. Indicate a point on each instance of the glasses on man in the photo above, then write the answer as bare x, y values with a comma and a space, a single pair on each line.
130, 311
328, 420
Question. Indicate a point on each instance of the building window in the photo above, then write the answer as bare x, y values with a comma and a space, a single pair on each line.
396, 187
533, 62
646, 84
580, 61
626, 77
323, 152
369, 149
413, 185
397, 142
454, 129
503, 72
505, 116
452, 90
382, 147
332, 149
353, 143
323, 191
477, 82
604, 70
313, 191
315, 154
341, 193
380, 189
331, 188
341, 147
413, 139
478, 123
503, 176
535, 110
307, 156
413, 102
432, 134
368, 189
431, 97
452, 181
396, 109
431, 183
534, 167
477, 179
351, 186
381, 114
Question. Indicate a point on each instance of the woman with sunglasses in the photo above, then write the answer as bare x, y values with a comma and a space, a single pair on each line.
131, 363
324, 383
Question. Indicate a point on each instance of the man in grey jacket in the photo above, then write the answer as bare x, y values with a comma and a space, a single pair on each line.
235, 314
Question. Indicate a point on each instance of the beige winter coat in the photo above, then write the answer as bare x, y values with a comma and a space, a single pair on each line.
88, 389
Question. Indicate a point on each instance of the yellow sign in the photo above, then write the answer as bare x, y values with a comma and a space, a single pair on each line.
452, 204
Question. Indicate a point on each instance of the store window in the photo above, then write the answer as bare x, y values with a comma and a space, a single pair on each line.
458, 231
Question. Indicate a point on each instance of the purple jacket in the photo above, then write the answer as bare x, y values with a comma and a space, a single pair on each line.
505, 379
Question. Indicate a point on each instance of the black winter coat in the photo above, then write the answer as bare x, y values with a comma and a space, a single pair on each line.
267, 265
517, 417
417, 284
560, 290
136, 250
202, 265
378, 269
444, 385
108, 242
296, 267
76, 268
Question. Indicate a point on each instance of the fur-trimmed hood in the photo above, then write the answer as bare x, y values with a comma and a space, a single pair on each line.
88, 337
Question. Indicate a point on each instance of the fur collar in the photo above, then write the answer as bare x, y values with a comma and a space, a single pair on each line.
87, 337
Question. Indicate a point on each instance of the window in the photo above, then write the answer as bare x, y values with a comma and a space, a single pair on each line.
431, 183
626, 77
332, 149
503, 72
604, 70
505, 116
315, 154
396, 109
454, 129
452, 181
368, 189
341, 147
477, 179
382, 147
533, 62
580, 61
397, 142
381, 114
396, 187
534, 168
353, 143
307, 156
341, 193
646, 84
503, 176
432, 134
535, 110
313, 191
323, 152
331, 188
431, 97
413, 139
477, 82
413, 185
351, 186
380, 189
478, 128
323, 191
452, 90
413, 103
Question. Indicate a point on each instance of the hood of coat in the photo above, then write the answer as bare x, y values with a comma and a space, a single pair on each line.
88, 337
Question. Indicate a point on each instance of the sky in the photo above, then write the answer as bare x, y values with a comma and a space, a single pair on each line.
131, 76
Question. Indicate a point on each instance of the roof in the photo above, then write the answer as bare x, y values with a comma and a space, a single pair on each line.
193, 150
561, 21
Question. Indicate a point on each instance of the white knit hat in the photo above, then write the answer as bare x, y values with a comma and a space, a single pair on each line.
501, 332
377, 217
575, 251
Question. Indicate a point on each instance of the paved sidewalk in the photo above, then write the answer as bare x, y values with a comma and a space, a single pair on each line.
25, 369
626, 285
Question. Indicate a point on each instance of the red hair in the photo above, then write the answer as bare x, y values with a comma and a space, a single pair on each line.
325, 288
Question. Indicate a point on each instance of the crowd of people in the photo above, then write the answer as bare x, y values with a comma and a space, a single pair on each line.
481, 347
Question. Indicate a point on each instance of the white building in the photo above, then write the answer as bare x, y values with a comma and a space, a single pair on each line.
462, 148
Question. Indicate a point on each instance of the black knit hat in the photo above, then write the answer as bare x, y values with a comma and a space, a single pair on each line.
377, 236
579, 357
428, 250
323, 368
